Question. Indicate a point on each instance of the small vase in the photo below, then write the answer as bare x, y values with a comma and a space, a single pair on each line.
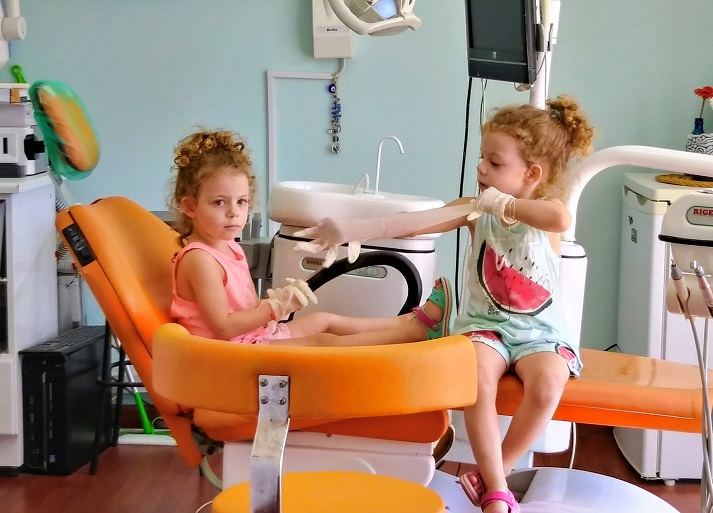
697, 126
701, 143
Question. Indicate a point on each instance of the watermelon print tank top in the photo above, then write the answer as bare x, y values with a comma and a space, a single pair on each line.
513, 285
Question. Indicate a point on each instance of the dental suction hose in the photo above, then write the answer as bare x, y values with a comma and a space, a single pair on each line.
682, 292
703, 285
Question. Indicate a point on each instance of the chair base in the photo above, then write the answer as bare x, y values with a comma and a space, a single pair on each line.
307, 451
559, 489
343, 492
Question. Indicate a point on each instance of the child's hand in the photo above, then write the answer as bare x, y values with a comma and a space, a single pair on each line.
303, 286
476, 212
328, 234
492, 201
291, 298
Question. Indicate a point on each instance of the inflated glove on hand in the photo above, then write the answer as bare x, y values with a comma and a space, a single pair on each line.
329, 233
492, 201
290, 298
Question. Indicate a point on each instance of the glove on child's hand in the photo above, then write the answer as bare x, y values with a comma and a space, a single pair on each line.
303, 286
329, 234
492, 201
290, 298
475, 212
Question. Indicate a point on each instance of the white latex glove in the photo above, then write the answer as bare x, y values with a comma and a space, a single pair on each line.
290, 298
475, 210
492, 201
329, 233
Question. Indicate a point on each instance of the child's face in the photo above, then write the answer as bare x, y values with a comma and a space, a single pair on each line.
221, 209
502, 166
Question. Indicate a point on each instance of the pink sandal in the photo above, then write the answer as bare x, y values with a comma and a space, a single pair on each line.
472, 484
506, 497
443, 298
474, 488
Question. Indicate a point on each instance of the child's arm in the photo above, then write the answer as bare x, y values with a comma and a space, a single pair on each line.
329, 233
549, 215
201, 278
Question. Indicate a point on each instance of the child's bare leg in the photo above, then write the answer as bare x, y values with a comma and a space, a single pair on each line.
544, 376
408, 330
481, 421
323, 322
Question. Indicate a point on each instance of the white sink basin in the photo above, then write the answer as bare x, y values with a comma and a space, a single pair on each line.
303, 204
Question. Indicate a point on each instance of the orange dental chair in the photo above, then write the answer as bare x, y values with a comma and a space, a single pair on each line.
124, 253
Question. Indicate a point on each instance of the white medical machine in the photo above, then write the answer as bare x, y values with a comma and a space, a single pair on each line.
646, 328
374, 291
21, 150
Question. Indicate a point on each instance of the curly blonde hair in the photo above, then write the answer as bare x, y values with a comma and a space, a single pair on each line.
549, 137
197, 158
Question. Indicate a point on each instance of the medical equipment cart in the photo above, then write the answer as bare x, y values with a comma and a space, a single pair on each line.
645, 328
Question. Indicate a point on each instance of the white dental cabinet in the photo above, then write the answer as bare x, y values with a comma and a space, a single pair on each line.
28, 294
646, 328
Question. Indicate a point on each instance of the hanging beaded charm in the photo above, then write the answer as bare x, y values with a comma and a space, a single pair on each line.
336, 115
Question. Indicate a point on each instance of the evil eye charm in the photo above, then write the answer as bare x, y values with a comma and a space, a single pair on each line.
332, 88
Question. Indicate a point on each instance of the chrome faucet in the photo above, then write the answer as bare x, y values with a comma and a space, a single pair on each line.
378, 159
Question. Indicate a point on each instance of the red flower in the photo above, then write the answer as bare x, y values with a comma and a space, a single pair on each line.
706, 93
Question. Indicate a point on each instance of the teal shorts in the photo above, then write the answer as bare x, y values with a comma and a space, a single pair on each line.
512, 353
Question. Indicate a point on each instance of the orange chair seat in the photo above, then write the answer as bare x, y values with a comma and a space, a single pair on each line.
624, 390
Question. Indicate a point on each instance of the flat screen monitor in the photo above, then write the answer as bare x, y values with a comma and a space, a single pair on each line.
501, 40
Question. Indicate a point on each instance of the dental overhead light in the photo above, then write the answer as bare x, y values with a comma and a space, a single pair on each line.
12, 26
376, 17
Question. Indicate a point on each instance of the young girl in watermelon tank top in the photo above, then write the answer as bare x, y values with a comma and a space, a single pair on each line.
511, 308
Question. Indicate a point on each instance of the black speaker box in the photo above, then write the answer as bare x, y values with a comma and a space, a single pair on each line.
61, 401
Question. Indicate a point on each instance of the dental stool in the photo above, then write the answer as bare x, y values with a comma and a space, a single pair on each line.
276, 383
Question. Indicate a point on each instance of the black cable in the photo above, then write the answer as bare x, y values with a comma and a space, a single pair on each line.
612, 347
396, 261
483, 87
461, 186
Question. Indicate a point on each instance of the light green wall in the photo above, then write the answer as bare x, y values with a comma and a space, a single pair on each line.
150, 71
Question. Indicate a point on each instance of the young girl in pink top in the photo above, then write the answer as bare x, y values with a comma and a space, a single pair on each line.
213, 292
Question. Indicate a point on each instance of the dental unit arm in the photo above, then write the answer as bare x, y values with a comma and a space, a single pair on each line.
640, 156
12, 26
376, 18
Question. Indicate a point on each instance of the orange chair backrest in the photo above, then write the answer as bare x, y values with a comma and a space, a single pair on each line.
129, 273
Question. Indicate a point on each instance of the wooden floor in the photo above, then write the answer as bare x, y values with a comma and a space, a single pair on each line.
147, 479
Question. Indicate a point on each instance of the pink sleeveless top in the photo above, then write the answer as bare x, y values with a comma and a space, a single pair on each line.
239, 289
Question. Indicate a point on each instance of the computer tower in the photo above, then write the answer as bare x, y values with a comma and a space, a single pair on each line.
61, 401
